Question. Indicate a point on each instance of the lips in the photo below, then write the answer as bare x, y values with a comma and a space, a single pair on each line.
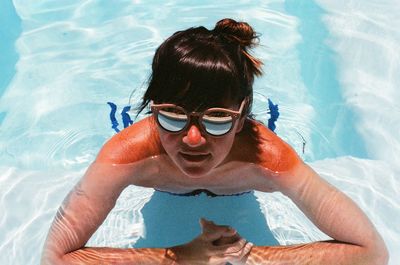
195, 157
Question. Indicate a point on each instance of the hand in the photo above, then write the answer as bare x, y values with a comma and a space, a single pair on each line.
216, 245
229, 238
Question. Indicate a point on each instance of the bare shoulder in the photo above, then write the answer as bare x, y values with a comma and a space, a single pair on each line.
137, 142
270, 150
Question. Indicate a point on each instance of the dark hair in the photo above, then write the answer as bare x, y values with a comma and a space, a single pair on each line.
200, 68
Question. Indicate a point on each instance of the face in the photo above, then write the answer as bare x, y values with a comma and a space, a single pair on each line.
194, 151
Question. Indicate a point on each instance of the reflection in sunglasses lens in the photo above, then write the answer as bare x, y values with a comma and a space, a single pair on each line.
215, 123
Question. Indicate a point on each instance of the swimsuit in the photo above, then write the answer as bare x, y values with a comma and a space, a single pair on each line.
199, 191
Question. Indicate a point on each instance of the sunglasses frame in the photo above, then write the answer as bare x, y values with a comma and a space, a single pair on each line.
155, 108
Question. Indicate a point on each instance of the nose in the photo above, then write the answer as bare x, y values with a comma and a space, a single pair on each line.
194, 137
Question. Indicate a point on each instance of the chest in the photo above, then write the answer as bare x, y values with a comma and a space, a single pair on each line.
231, 178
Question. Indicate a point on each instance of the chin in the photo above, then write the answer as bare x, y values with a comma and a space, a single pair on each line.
195, 172
194, 169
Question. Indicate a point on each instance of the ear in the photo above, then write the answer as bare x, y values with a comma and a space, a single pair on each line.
240, 124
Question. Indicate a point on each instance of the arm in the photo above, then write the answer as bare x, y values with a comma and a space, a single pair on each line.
355, 239
88, 204
82, 212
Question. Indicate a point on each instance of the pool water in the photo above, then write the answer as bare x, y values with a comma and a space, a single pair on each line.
331, 65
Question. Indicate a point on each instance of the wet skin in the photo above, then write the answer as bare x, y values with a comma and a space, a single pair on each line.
237, 162
251, 157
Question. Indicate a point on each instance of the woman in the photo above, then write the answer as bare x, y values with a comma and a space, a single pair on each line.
201, 137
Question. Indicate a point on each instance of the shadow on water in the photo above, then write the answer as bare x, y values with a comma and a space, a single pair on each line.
335, 120
10, 29
173, 220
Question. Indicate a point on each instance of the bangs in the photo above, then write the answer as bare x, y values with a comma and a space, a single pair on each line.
204, 81
196, 77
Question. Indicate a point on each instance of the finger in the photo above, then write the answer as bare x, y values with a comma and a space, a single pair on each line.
225, 229
231, 248
238, 257
227, 240
241, 257
203, 221
206, 221
210, 226
230, 231
218, 232
206, 224
243, 252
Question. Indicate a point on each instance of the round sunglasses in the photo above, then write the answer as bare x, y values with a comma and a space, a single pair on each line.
214, 121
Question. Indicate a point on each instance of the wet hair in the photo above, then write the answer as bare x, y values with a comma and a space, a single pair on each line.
199, 68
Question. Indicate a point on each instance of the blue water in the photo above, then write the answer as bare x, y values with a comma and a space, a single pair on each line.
75, 56
10, 28
180, 218
335, 120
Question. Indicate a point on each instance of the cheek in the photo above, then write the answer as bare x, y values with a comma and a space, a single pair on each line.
223, 145
169, 141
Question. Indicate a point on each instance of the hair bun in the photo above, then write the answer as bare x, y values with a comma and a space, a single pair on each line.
240, 32
243, 34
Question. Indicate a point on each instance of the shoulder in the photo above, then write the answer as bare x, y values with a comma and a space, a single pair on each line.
132, 144
270, 150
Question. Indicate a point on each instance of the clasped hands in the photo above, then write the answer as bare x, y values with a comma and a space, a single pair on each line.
216, 245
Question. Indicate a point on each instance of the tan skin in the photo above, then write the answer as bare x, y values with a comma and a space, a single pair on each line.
250, 157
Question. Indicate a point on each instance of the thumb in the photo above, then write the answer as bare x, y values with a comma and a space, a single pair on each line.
204, 223
212, 232
208, 230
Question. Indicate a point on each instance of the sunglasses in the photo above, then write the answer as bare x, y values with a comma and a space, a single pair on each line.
214, 121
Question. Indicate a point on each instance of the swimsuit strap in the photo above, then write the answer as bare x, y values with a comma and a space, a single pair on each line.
127, 121
199, 191
274, 111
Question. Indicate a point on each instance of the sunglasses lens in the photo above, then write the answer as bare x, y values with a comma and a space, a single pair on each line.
172, 119
217, 123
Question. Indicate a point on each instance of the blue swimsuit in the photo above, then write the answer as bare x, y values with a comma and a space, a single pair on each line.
200, 191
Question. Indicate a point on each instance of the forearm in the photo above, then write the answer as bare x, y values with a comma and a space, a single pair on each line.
326, 253
102, 255
339, 217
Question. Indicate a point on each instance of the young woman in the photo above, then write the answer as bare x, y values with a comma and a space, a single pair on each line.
201, 137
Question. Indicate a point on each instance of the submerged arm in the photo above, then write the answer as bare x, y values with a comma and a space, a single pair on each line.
82, 212
356, 241
86, 207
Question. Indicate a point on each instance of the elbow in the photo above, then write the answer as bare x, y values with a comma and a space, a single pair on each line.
51, 258
382, 257
378, 254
